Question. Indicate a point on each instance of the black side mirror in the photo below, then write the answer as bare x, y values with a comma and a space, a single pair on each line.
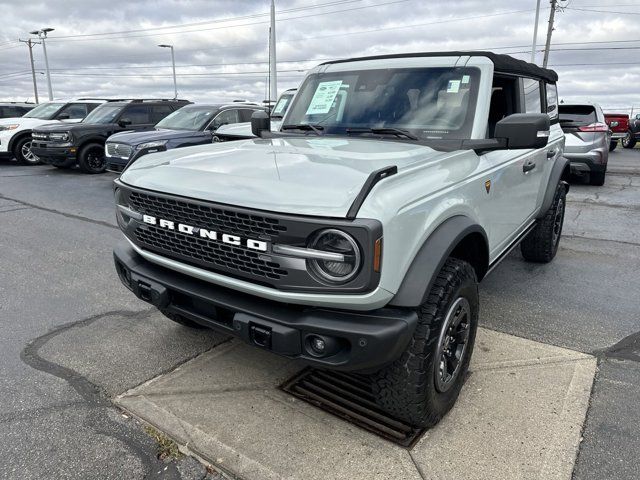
63, 116
260, 123
524, 130
125, 122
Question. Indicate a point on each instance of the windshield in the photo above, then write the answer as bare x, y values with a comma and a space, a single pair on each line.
283, 104
105, 113
46, 111
428, 103
188, 118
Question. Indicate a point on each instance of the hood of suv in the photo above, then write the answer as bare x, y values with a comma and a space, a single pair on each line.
76, 127
307, 176
136, 138
27, 122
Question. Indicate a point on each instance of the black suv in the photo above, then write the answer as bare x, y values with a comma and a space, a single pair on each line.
83, 143
191, 125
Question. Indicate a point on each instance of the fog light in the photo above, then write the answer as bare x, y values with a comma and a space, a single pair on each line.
318, 345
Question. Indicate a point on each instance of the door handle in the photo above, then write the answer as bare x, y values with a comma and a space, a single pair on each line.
527, 167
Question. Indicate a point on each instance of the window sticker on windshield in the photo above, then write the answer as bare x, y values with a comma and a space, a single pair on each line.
465, 79
453, 86
323, 97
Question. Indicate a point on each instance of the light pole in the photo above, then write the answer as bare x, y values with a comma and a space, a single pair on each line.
42, 35
535, 34
173, 65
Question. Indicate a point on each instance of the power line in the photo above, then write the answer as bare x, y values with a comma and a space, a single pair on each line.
601, 11
208, 22
228, 26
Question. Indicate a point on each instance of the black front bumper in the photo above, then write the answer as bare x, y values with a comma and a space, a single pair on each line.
355, 341
65, 156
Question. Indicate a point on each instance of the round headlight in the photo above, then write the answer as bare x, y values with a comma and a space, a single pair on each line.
335, 241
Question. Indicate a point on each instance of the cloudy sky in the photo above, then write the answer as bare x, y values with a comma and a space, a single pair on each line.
109, 47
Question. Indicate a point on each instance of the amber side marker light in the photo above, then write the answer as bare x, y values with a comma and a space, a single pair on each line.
377, 255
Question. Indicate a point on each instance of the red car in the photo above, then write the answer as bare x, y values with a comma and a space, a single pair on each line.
618, 124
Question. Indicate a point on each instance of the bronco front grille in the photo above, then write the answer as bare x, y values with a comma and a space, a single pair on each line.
214, 254
211, 254
248, 225
119, 150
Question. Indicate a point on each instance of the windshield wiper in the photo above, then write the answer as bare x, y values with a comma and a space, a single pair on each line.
384, 131
317, 129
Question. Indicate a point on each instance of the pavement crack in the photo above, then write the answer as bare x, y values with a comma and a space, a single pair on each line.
94, 396
415, 464
58, 212
626, 349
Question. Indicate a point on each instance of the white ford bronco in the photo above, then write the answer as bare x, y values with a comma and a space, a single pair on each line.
354, 237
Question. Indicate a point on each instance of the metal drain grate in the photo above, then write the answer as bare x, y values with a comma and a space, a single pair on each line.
349, 397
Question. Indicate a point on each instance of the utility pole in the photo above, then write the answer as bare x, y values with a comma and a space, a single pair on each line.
535, 34
30, 43
273, 74
173, 64
42, 35
547, 46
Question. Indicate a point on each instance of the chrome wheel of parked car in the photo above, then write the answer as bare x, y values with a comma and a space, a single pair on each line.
23, 152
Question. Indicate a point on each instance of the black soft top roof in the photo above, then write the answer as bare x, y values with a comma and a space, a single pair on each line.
503, 63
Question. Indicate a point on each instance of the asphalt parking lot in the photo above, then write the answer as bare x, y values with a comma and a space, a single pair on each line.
73, 339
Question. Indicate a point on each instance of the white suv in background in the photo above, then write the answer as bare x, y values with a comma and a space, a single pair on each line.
15, 133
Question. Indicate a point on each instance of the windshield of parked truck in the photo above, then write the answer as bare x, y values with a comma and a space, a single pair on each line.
105, 113
281, 107
45, 111
188, 118
427, 103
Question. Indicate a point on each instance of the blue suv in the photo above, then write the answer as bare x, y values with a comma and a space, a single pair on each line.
191, 125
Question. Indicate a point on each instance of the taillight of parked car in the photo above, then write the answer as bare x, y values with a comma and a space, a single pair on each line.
595, 127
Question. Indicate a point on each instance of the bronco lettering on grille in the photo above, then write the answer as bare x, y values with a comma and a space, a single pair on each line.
235, 240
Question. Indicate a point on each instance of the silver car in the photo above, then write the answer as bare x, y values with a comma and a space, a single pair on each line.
587, 138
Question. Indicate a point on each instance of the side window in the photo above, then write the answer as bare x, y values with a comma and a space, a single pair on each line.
552, 100
137, 114
74, 111
92, 106
223, 118
13, 111
245, 114
532, 100
158, 112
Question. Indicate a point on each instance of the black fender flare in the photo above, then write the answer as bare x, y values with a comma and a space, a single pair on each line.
87, 141
429, 260
16, 137
560, 172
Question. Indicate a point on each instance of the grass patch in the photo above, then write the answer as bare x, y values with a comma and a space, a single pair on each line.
167, 449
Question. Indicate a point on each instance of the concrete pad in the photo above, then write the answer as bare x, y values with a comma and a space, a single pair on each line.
519, 416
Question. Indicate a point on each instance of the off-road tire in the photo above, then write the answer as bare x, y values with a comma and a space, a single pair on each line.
407, 388
91, 158
597, 178
185, 322
612, 145
541, 244
18, 152
629, 140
